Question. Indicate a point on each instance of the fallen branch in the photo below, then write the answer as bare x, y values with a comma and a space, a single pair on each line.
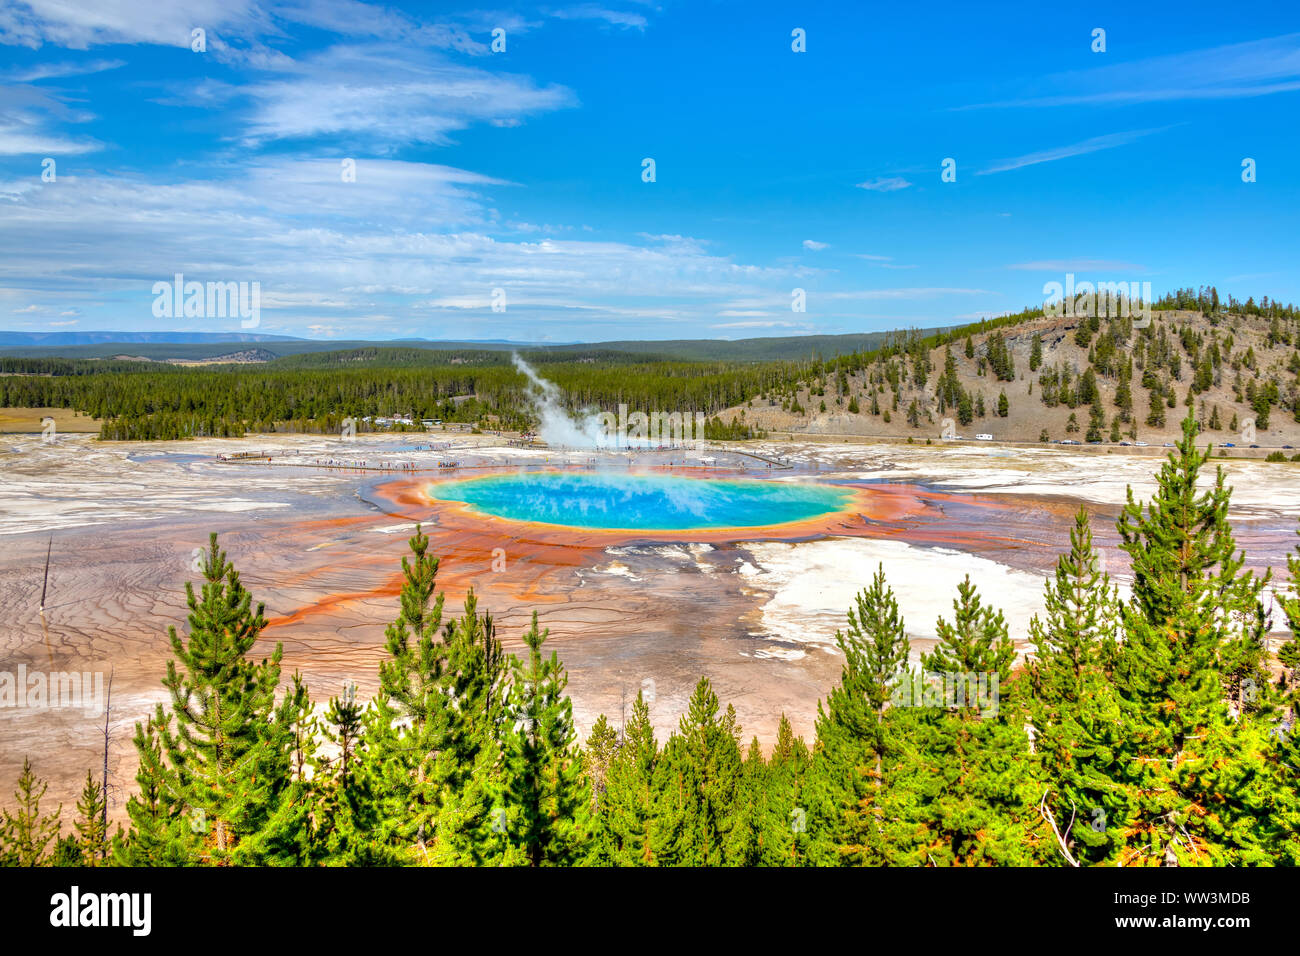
1046, 814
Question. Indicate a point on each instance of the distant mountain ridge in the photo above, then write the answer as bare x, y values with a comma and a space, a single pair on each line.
166, 346
19, 339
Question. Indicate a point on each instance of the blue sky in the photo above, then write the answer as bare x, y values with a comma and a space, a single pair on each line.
522, 170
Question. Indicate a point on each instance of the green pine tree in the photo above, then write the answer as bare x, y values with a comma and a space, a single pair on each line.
90, 826
1073, 707
26, 834
627, 831
958, 789
701, 770
347, 804
544, 780
1193, 646
851, 738
161, 832
217, 760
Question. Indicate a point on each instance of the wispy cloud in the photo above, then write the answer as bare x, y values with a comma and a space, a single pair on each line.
812, 245
1078, 265
1254, 68
926, 292
771, 324
231, 26
387, 96
885, 184
1090, 145
406, 242
593, 11
27, 114
56, 71
882, 262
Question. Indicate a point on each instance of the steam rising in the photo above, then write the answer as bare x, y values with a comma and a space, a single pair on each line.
594, 429
557, 426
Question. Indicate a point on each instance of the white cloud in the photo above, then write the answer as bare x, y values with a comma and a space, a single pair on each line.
385, 96
1090, 145
26, 117
55, 71
592, 11
1077, 265
760, 325
227, 23
82, 25
885, 184
1253, 68
883, 262
812, 245
402, 243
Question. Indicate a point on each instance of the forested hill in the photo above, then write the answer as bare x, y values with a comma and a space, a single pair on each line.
1092, 377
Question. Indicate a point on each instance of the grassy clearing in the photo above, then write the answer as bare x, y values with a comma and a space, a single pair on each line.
23, 420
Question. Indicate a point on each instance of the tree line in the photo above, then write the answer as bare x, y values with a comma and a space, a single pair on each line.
315, 393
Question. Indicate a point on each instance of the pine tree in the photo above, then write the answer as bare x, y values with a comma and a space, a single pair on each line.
347, 803
287, 836
25, 835
473, 823
217, 760
544, 780
957, 789
758, 827
1284, 732
161, 832
1194, 630
701, 769
850, 733
627, 831
406, 729
1073, 708
92, 832
602, 745
784, 830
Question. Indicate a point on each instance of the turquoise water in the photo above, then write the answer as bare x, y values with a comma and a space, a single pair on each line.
641, 502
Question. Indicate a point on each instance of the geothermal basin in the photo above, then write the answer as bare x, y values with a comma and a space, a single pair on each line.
648, 569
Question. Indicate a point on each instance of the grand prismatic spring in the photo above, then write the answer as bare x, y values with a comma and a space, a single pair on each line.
642, 502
